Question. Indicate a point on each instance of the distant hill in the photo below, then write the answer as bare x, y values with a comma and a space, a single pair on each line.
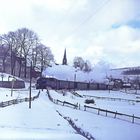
129, 70
132, 71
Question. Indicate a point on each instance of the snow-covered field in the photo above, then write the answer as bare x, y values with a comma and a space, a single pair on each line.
40, 122
43, 122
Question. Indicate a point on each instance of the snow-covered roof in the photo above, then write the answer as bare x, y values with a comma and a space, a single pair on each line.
8, 77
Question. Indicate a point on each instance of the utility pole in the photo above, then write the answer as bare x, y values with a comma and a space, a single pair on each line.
12, 85
11, 59
30, 97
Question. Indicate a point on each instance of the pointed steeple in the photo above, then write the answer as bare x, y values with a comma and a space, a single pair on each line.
64, 58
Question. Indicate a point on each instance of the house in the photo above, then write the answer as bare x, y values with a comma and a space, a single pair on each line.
14, 65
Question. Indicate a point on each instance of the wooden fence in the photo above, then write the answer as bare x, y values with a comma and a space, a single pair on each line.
99, 111
64, 103
16, 101
135, 92
115, 113
76, 94
113, 99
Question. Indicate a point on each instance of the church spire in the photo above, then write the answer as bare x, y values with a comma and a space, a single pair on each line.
64, 58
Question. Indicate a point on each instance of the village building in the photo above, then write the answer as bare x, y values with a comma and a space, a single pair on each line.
14, 65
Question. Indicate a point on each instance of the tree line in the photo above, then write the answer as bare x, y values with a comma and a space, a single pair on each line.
24, 46
81, 64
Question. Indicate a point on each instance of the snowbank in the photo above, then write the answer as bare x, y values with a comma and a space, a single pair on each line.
8, 77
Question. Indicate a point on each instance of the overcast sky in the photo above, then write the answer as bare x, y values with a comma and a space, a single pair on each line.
97, 30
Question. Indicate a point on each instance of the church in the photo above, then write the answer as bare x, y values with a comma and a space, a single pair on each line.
64, 62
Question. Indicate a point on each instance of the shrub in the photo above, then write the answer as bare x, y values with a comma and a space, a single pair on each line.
89, 101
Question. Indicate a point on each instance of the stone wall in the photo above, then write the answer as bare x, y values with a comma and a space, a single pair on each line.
16, 84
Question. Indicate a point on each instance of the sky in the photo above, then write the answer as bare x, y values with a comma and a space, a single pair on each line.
96, 30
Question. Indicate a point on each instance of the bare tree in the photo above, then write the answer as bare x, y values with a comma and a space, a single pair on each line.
27, 40
4, 56
9, 40
42, 56
87, 66
4, 53
78, 62
23, 46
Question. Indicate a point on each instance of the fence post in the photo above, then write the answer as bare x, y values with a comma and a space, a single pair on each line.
106, 112
85, 108
115, 114
1, 104
54, 101
76, 106
133, 118
79, 106
99, 111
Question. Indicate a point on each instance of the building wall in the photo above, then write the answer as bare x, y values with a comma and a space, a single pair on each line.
8, 65
9, 84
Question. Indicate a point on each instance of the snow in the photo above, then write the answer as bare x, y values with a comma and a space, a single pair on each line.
40, 122
103, 128
100, 127
43, 122
127, 107
8, 77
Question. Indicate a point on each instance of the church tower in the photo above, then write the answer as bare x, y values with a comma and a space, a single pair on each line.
64, 58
